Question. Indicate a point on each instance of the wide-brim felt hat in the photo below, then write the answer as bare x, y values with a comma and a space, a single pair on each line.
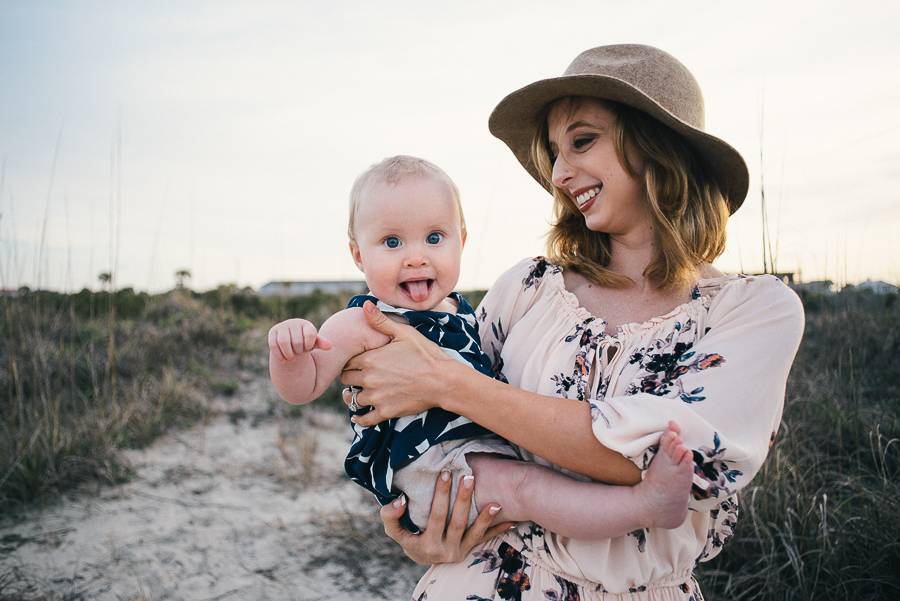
639, 76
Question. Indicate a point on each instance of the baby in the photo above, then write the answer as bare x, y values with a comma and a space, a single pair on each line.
407, 234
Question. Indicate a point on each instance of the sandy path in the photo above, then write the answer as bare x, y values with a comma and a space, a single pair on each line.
252, 505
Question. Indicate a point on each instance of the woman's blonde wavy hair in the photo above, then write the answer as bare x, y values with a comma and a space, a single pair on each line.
687, 207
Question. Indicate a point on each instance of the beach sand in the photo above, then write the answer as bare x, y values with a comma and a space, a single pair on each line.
252, 504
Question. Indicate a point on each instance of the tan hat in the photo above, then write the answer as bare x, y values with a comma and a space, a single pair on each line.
643, 77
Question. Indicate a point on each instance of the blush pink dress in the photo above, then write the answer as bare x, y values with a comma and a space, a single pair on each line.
717, 365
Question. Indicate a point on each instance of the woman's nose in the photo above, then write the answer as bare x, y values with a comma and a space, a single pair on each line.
562, 172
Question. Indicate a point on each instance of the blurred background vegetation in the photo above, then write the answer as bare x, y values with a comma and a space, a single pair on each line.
85, 375
822, 518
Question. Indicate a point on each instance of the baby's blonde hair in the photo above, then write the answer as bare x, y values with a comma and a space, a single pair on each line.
393, 170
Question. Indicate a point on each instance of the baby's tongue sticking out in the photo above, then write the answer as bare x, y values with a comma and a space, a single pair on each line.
419, 290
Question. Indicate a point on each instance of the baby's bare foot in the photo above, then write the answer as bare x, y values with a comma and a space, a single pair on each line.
666, 487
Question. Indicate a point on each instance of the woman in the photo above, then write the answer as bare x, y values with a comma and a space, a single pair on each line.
624, 326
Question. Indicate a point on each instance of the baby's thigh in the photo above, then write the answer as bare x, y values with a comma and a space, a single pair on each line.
417, 479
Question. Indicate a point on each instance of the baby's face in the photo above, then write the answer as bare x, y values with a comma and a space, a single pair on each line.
409, 243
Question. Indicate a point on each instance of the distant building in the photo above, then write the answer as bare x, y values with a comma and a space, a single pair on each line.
815, 287
304, 288
787, 277
878, 287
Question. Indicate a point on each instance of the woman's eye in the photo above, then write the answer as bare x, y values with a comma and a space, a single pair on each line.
582, 142
392, 241
434, 238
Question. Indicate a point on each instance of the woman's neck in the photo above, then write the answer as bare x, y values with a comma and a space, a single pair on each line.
630, 257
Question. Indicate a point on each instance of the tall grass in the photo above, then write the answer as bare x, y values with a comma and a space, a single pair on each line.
66, 408
85, 375
820, 521
822, 518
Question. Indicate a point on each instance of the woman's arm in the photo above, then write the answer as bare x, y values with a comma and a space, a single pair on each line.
411, 375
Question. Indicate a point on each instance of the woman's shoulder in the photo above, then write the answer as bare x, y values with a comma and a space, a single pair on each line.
764, 293
516, 290
529, 273
745, 284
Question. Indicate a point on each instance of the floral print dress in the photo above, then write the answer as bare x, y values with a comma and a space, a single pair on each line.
717, 365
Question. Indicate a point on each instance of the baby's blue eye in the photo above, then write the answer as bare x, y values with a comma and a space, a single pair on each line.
434, 238
392, 241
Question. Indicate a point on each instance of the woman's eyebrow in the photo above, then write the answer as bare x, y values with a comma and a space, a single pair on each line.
577, 124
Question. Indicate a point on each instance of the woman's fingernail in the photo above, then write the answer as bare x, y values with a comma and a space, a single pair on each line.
494, 510
400, 502
468, 481
445, 475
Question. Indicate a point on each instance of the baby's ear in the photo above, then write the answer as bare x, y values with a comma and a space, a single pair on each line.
357, 257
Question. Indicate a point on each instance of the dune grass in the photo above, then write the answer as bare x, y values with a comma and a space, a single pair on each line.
85, 375
820, 521
69, 403
822, 518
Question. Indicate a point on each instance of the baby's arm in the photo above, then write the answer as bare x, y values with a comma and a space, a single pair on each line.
588, 510
304, 362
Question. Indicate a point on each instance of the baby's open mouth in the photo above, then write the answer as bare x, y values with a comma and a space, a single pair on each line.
417, 290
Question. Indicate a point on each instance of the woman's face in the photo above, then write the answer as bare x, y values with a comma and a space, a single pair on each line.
587, 169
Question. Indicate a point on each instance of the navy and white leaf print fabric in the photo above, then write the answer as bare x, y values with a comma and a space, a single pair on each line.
379, 450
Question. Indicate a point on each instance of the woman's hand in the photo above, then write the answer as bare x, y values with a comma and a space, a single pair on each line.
443, 541
405, 377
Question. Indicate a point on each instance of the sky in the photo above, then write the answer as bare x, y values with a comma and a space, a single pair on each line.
222, 137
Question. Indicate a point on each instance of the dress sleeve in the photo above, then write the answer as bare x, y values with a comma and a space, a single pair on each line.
725, 390
504, 304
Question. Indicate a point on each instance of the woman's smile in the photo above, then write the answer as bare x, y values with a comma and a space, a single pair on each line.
586, 166
582, 196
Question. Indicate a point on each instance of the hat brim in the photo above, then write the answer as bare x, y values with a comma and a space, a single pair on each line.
514, 121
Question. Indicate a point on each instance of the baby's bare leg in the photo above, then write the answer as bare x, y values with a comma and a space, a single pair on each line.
587, 510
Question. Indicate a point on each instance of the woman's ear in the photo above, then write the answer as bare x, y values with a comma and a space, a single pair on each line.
357, 257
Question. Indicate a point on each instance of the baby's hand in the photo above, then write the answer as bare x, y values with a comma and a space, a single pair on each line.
294, 337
